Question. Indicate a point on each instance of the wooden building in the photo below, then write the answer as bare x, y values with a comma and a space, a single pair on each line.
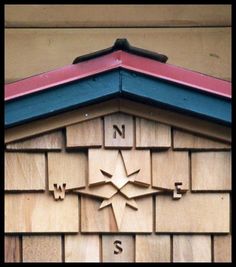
119, 156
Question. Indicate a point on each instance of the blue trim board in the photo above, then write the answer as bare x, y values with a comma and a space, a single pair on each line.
122, 83
62, 98
177, 97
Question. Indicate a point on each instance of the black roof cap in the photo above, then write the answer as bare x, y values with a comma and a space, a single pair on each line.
123, 44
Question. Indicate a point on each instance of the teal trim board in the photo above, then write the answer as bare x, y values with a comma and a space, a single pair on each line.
118, 83
62, 98
174, 96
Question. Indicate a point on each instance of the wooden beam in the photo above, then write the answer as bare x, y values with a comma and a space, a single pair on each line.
106, 15
195, 125
61, 120
176, 119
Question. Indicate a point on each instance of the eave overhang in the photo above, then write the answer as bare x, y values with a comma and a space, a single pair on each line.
120, 71
117, 83
118, 59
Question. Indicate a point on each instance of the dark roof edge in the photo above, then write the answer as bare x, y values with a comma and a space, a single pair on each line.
123, 44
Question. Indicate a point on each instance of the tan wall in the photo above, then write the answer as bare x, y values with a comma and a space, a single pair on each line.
40, 38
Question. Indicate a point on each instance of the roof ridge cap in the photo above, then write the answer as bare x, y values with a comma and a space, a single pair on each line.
124, 45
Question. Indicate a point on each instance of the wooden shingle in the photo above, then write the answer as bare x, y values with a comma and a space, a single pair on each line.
95, 220
69, 168
183, 141
119, 130
24, 171
85, 134
100, 159
222, 248
82, 248
117, 248
102, 164
42, 248
191, 248
152, 248
12, 248
48, 141
138, 160
193, 213
170, 167
152, 134
40, 213
211, 171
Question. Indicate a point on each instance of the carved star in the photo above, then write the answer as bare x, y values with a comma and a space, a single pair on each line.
118, 190
120, 176
118, 203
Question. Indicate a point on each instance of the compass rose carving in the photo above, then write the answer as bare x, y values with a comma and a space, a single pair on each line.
118, 178
118, 189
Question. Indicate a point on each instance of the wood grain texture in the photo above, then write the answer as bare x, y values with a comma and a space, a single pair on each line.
124, 124
118, 167
138, 160
50, 141
85, 134
105, 15
189, 123
58, 121
169, 167
222, 248
179, 120
133, 191
24, 213
95, 220
152, 248
105, 191
82, 248
193, 213
118, 204
152, 134
211, 171
101, 221
69, 168
186, 141
24, 171
12, 248
101, 159
38, 49
121, 251
42, 248
191, 248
